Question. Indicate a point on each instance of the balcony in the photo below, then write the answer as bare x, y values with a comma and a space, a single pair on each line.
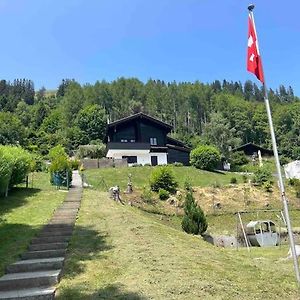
128, 146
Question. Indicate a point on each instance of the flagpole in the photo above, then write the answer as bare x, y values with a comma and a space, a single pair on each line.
281, 184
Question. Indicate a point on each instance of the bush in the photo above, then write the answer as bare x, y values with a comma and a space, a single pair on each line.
237, 159
15, 164
177, 164
296, 185
163, 178
91, 151
163, 194
267, 185
147, 195
194, 220
60, 168
39, 165
205, 157
75, 164
262, 175
233, 180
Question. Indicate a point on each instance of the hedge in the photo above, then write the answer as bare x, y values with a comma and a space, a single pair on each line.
15, 164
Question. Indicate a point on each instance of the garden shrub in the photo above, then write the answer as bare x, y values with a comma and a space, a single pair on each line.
268, 186
177, 164
296, 185
194, 220
91, 151
205, 157
60, 168
147, 195
163, 178
23, 164
75, 164
237, 159
163, 194
15, 164
262, 175
233, 180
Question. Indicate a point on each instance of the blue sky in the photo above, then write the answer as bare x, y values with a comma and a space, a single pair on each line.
182, 40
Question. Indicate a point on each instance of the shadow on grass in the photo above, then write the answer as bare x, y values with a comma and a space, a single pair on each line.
218, 172
86, 244
14, 240
16, 197
112, 291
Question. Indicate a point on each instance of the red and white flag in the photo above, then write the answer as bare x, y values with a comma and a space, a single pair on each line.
254, 64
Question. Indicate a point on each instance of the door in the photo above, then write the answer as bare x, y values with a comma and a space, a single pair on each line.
153, 160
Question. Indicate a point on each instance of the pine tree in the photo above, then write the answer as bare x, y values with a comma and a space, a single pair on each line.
194, 220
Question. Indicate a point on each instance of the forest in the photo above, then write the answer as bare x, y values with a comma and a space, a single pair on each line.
222, 113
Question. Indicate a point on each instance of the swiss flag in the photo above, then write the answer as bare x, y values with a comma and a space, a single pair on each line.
254, 64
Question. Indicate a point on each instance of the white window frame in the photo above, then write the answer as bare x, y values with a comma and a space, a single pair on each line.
153, 141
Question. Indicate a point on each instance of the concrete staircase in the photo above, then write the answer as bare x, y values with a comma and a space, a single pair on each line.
34, 277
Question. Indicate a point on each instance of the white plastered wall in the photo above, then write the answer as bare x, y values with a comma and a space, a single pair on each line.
143, 156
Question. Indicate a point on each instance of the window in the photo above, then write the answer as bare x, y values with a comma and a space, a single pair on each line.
131, 159
153, 141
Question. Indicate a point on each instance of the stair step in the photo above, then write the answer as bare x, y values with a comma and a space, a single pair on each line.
29, 294
49, 246
54, 227
63, 221
14, 281
64, 216
53, 239
44, 254
69, 205
32, 265
57, 232
66, 211
73, 217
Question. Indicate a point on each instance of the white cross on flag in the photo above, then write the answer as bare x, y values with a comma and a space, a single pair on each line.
254, 64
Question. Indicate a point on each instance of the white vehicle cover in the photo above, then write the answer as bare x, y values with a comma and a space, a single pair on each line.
292, 169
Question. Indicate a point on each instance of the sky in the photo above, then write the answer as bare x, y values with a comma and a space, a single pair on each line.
181, 40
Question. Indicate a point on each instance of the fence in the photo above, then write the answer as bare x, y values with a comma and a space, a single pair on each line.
104, 162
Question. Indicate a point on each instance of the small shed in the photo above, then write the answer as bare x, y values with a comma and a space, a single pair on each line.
262, 233
250, 149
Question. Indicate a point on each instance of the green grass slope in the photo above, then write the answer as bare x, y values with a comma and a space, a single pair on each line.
107, 177
22, 214
120, 252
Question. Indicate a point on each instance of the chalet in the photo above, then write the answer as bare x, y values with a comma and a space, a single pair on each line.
252, 149
143, 139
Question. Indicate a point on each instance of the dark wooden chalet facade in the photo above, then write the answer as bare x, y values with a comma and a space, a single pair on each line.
143, 139
251, 149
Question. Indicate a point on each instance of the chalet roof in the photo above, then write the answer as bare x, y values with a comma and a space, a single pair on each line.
251, 145
140, 116
175, 142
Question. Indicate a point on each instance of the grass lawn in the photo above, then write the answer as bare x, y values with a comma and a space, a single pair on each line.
107, 177
22, 214
121, 252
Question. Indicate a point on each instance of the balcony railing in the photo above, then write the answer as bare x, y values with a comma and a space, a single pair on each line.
137, 146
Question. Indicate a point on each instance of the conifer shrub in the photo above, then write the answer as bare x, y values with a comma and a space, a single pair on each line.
194, 220
205, 157
163, 178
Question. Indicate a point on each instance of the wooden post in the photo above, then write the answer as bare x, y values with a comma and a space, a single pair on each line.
244, 233
27, 182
